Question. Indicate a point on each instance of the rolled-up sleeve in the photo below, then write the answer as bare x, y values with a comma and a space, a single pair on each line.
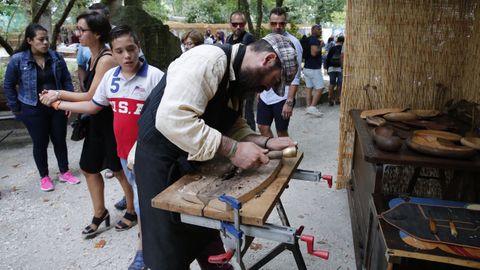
192, 81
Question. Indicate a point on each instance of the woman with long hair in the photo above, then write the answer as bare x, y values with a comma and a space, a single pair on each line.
33, 68
99, 148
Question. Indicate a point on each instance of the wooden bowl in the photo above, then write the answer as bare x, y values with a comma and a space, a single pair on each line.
473, 142
385, 140
400, 116
439, 134
376, 121
425, 113
377, 112
432, 145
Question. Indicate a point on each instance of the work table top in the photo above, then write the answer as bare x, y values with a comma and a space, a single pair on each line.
253, 212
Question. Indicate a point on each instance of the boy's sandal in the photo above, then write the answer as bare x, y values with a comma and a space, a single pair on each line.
122, 226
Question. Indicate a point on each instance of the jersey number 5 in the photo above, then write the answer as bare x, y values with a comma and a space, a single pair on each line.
115, 86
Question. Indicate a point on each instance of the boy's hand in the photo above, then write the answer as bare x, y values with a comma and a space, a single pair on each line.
47, 97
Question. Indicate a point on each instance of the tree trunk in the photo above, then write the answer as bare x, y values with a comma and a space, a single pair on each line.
44, 16
58, 25
113, 6
245, 7
40, 11
278, 3
6, 46
259, 19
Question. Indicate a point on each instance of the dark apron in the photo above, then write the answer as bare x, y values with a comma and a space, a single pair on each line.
168, 243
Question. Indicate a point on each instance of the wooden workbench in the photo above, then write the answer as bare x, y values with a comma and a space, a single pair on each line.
253, 212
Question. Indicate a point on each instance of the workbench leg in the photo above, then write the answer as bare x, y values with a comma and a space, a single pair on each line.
282, 213
295, 249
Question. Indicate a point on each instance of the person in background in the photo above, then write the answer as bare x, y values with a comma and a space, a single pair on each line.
33, 68
328, 46
219, 37
83, 55
208, 38
334, 66
239, 35
99, 147
134, 80
312, 71
191, 39
272, 106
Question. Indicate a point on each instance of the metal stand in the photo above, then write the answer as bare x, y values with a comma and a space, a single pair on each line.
287, 236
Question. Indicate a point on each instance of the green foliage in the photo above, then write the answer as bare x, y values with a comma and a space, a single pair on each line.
313, 11
3, 69
208, 11
157, 8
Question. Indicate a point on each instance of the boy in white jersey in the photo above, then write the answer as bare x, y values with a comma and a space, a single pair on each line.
125, 88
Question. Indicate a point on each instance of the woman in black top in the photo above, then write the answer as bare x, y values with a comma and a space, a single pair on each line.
32, 69
99, 148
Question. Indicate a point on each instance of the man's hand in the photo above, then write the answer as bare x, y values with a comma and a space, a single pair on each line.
249, 155
280, 143
287, 111
47, 97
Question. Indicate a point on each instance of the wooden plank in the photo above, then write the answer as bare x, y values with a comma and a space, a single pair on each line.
171, 200
219, 177
257, 210
434, 258
253, 212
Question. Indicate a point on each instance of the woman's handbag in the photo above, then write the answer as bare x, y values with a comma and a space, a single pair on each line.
80, 127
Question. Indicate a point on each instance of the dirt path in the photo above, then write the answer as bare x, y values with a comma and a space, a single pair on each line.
43, 230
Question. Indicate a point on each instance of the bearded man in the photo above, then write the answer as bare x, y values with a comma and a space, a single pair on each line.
193, 114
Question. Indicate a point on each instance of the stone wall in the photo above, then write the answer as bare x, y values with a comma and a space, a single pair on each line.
159, 45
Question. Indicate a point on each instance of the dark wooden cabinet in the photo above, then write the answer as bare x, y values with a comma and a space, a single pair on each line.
369, 163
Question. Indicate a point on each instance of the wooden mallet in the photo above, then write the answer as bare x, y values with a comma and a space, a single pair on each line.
287, 153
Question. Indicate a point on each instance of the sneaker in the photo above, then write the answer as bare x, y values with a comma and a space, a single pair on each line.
46, 184
137, 263
69, 178
313, 111
122, 204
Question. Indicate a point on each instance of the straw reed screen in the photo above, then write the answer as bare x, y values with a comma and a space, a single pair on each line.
407, 53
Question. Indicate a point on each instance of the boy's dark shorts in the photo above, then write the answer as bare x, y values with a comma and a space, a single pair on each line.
266, 114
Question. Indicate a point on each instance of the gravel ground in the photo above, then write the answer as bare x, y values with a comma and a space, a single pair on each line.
43, 230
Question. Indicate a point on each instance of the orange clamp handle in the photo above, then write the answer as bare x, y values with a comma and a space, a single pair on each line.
319, 253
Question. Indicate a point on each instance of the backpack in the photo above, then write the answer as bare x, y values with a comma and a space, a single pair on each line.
336, 59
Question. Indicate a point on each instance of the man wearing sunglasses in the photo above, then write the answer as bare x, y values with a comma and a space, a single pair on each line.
239, 35
270, 105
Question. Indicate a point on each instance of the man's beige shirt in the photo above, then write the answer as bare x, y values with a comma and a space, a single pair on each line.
192, 81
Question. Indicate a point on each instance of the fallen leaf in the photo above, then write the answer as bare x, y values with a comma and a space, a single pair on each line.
45, 200
16, 165
100, 244
14, 188
256, 246
5, 176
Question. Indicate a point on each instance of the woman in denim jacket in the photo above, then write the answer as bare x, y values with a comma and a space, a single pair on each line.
32, 69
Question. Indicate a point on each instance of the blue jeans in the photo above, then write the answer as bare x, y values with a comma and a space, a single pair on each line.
131, 180
45, 124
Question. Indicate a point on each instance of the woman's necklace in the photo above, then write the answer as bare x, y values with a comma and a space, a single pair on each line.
40, 60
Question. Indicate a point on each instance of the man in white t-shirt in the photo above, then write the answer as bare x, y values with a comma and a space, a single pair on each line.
125, 88
270, 105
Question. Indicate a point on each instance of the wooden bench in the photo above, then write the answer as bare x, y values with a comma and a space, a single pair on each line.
6, 115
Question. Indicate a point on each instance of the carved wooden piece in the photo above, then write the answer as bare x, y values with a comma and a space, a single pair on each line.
219, 176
